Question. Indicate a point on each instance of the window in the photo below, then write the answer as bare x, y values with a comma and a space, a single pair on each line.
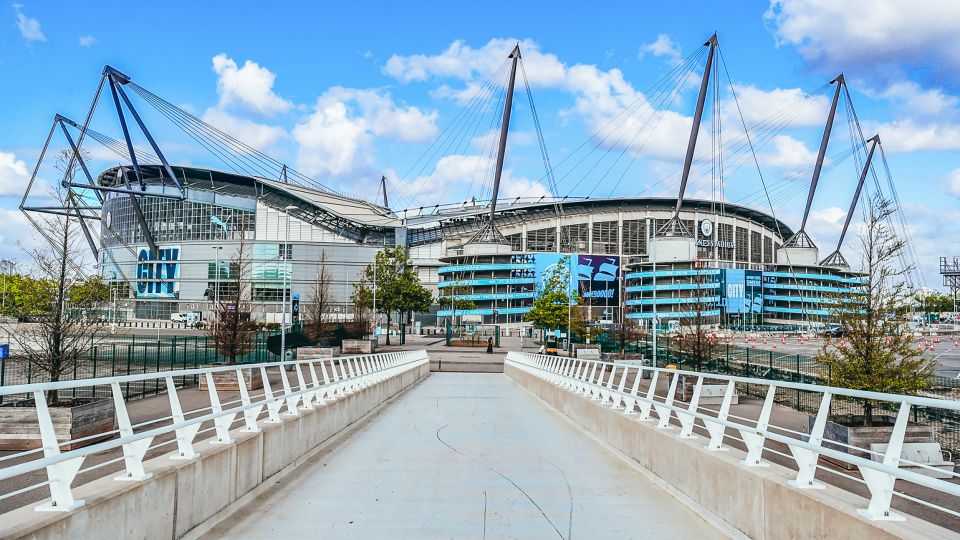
725, 235
515, 241
635, 237
542, 240
756, 247
742, 248
767, 250
172, 220
574, 238
605, 238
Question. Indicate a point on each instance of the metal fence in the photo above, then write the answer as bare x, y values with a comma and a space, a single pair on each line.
130, 355
309, 383
634, 388
770, 365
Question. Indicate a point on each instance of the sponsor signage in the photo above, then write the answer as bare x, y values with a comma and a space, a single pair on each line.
742, 291
593, 277
704, 242
160, 277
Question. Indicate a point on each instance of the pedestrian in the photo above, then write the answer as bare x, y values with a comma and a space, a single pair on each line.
489, 345
542, 349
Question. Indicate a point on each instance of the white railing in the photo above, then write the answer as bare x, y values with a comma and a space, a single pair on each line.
316, 382
612, 384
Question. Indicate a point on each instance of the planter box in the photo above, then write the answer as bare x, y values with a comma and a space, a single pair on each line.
312, 353
711, 393
227, 380
358, 346
19, 429
863, 436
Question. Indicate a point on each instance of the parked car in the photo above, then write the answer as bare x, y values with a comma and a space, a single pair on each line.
834, 331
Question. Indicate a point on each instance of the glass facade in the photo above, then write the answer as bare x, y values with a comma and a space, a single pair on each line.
172, 220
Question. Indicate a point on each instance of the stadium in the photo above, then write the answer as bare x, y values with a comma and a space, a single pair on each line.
173, 238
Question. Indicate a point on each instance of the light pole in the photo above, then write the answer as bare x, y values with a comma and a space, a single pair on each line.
653, 257
216, 284
283, 292
6, 268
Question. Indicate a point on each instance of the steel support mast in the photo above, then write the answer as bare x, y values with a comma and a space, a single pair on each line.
675, 228
489, 233
836, 259
800, 238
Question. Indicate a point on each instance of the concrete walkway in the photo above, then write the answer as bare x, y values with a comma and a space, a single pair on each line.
465, 456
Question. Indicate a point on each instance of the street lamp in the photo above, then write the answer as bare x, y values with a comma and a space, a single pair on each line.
216, 284
283, 292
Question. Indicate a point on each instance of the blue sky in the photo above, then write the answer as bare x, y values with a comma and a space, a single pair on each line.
349, 91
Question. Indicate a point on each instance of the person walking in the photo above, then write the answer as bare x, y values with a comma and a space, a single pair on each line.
489, 345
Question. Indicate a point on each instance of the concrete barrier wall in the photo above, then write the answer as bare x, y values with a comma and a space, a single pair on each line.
183, 494
755, 502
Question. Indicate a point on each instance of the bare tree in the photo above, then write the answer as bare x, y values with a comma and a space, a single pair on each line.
318, 326
696, 338
58, 298
233, 332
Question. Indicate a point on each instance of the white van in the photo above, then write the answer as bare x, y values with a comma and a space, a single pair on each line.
178, 317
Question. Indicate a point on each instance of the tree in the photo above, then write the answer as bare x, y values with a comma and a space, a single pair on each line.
89, 293
454, 297
233, 332
396, 283
696, 339
60, 339
551, 305
318, 327
878, 354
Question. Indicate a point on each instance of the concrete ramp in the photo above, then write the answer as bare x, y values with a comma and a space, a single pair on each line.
464, 456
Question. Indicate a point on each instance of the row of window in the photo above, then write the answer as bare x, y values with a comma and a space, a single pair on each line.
735, 243
173, 220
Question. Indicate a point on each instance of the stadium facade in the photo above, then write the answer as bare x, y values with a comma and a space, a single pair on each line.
734, 271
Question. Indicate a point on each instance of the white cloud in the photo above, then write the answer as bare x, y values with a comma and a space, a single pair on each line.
663, 46
15, 235
917, 101
872, 38
88, 41
511, 188
14, 175
249, 87
460, 61
788, 154
336, 137
758, 105
952, 180
599, 95
910, 135
28, 26
259, 136
455, 173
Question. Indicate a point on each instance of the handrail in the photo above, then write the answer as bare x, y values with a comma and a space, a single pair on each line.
588, 378
326, 379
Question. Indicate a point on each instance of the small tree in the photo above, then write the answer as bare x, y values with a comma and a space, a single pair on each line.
233, 331
552, 304
397, 286
318, 327
878, 354
696, 339
60, 340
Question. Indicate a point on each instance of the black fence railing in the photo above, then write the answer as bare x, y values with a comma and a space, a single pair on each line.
131, 355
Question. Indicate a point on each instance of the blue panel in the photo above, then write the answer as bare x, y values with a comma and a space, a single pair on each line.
674, 273
668, 300
476, 267
673, 287
801, 311
819, 288
494, 281
824, 277
673, 314
502, 311
498, 296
